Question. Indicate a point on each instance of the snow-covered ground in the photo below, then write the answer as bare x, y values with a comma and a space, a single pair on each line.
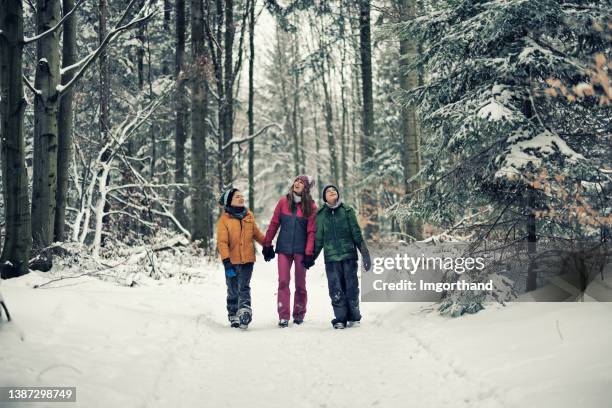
165, 344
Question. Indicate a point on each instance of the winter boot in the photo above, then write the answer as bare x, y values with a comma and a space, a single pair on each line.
234, 322
244, 317
338, 324
283, 323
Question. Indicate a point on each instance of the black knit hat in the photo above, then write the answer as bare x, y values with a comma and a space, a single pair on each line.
325, 190
226, 197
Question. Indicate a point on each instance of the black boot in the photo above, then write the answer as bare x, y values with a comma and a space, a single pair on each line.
338, 324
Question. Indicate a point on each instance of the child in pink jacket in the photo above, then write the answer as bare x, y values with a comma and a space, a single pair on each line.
295, 215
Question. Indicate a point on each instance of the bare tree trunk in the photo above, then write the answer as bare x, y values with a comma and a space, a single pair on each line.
154, 128
281, 56
369, 207
220, 93
140, 51
104, 94
329, 126
251, 101
302, 145
166, 26
228, 117
199, 112
104, 82
181, 108
343, 129
410, 151
315, 126
46, 107
295, 55
65, 123
356, 111
530, 224
532, 272
18, 242
99, 209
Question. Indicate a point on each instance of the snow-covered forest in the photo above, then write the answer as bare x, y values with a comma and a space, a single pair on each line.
124, 122
484, 126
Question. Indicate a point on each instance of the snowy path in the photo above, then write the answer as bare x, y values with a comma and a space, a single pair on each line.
169, 345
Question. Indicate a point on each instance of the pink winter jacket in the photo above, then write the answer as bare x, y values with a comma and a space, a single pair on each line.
297, 233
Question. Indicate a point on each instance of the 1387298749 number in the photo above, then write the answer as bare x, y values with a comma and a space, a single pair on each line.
66, 394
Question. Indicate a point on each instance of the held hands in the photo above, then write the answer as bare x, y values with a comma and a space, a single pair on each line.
230, 272
268, 253
308, 261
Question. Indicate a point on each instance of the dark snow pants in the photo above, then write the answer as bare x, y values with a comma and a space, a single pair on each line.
343, 286
239, 289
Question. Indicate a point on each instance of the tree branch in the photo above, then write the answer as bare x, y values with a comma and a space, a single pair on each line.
253, 136
30, 86
40, 36
87, 61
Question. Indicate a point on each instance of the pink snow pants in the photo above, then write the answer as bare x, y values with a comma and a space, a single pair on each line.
284, 293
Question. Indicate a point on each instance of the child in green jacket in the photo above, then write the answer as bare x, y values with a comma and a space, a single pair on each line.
339, 234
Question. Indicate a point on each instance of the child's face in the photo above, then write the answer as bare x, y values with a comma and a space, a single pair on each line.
298, 186
331, 196
237, 200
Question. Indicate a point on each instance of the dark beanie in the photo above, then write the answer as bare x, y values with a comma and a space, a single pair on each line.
325, 190
226, 197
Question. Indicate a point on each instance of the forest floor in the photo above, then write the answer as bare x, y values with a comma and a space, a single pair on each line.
165, 343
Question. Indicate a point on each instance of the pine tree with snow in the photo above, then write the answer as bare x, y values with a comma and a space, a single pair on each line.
489, 126
495, 138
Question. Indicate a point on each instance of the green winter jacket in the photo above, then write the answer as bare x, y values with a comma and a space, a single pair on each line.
338, 233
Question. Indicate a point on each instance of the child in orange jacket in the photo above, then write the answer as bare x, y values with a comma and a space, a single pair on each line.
236, 231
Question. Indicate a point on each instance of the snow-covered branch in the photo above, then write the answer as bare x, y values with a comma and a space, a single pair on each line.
29, 40
250, 137
148, 185
30, 86
166, 212
110, 37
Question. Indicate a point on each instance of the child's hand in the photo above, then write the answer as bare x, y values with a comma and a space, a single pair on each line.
308, 261
268, 253
230, 272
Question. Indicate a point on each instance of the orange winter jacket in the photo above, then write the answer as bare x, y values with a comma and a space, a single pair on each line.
235, 238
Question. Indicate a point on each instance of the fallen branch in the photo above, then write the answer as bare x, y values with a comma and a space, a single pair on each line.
8, 315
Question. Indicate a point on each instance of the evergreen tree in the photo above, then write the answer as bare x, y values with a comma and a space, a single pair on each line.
489, 125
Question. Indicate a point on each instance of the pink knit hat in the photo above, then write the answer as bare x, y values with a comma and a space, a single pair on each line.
307, 180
